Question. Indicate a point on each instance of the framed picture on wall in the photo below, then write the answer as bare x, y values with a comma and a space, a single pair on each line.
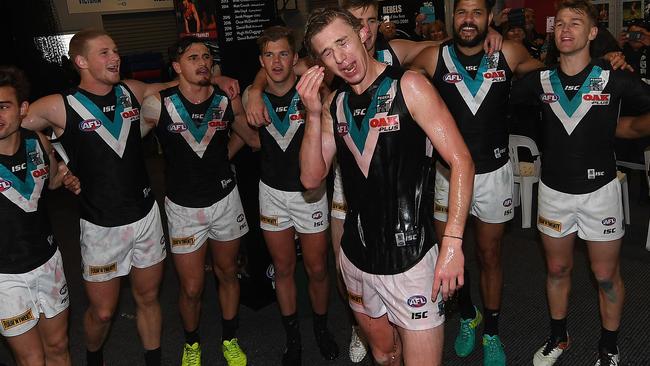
603, 12
632, 11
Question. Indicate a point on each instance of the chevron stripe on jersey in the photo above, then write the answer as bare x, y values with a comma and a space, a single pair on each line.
384, 56
26, 193
473, 90
283, 130
115, 132
198, 137
571, 111
362, 141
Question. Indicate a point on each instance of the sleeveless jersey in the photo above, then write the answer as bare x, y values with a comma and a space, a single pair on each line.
281, 140
102, 138
385, 160
579, 116
384, 52
26, 241
194, 138
476, 90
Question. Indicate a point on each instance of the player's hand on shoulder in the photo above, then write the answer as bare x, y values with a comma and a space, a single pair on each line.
229, 85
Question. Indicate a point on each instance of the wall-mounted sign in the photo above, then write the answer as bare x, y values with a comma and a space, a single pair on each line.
101, 6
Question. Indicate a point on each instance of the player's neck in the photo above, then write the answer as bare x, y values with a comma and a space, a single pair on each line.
470, 51
193, 92
10, 144
374, 68
280, 88
573, 63
94, 86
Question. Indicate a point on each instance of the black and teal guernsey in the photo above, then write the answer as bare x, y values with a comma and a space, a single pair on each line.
26, 241
579, 116
194, 138
385, 160
384, 52
476, 90
281, 140
102, 138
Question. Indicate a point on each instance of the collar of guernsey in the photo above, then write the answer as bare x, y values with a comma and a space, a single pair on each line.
198, 137
116, 132
25, 193
284, 129
572, 110
362, 140
472, 90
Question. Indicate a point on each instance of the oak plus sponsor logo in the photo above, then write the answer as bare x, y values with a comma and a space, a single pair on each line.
17, 320
177, 127
452, 78
596, 98
131, 114
495, 76
99, 270
386, 123
549, 98
298, 117
40, 172
218, 124
90, 125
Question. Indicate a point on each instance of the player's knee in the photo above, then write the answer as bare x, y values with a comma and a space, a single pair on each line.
31, 357
317, 272
192, 291
102, 314
284, 271
384, 358
558, 271
605, 275
146, 297
226, 273
56, 347
490, 257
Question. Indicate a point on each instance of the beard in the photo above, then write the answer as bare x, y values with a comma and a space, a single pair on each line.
478, 39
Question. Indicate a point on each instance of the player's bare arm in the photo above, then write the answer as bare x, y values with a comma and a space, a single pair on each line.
150, 113
426, 61
431, 114
48, 111
241, 127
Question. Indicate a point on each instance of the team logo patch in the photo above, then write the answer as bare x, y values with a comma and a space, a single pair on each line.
507, 202
338, 206
385, 124
342, 128
269, 220
554, 225
357, 299
452, 78
90, 125
35, 157
125, 101
496, 76
440, 208
218, 124
17, 320
596, 99
182, 242
317, 215
4, 185
609, 221
416, 301
177, 127
217, 113
549, 98
97, 270
596, 84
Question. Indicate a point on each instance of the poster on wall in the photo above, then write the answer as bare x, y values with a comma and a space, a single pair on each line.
403, 13
198, 18
632, 11
602, 6
102, 6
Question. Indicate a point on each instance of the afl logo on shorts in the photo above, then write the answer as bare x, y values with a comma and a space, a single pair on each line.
317, 215
416, 301
507, 202
452, 78
342, 128
177, 127
89, 125
4, 185
218, 125
609, 221
549, 98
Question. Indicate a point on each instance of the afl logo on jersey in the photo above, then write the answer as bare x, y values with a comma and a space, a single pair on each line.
177, 127
609, 221
549, 98
385, 124
90, 125
342, 128
497, 76
4, 185
218, 125
452, 78
416, 301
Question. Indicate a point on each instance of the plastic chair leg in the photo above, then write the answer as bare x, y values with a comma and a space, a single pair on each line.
526, 202
515, 195
626, 200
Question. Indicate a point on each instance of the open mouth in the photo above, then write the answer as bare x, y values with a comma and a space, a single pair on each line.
349, 69
113, 68
468, 31
203, 71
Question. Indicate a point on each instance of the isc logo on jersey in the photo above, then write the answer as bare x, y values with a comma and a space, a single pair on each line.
549, 98
496, 76
452, 78
4, 185
386, 123
596, 99
90, 125
218, 125
131, 114
177, 127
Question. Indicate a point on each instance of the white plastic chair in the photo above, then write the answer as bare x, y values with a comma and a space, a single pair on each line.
525, 175
622, 178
